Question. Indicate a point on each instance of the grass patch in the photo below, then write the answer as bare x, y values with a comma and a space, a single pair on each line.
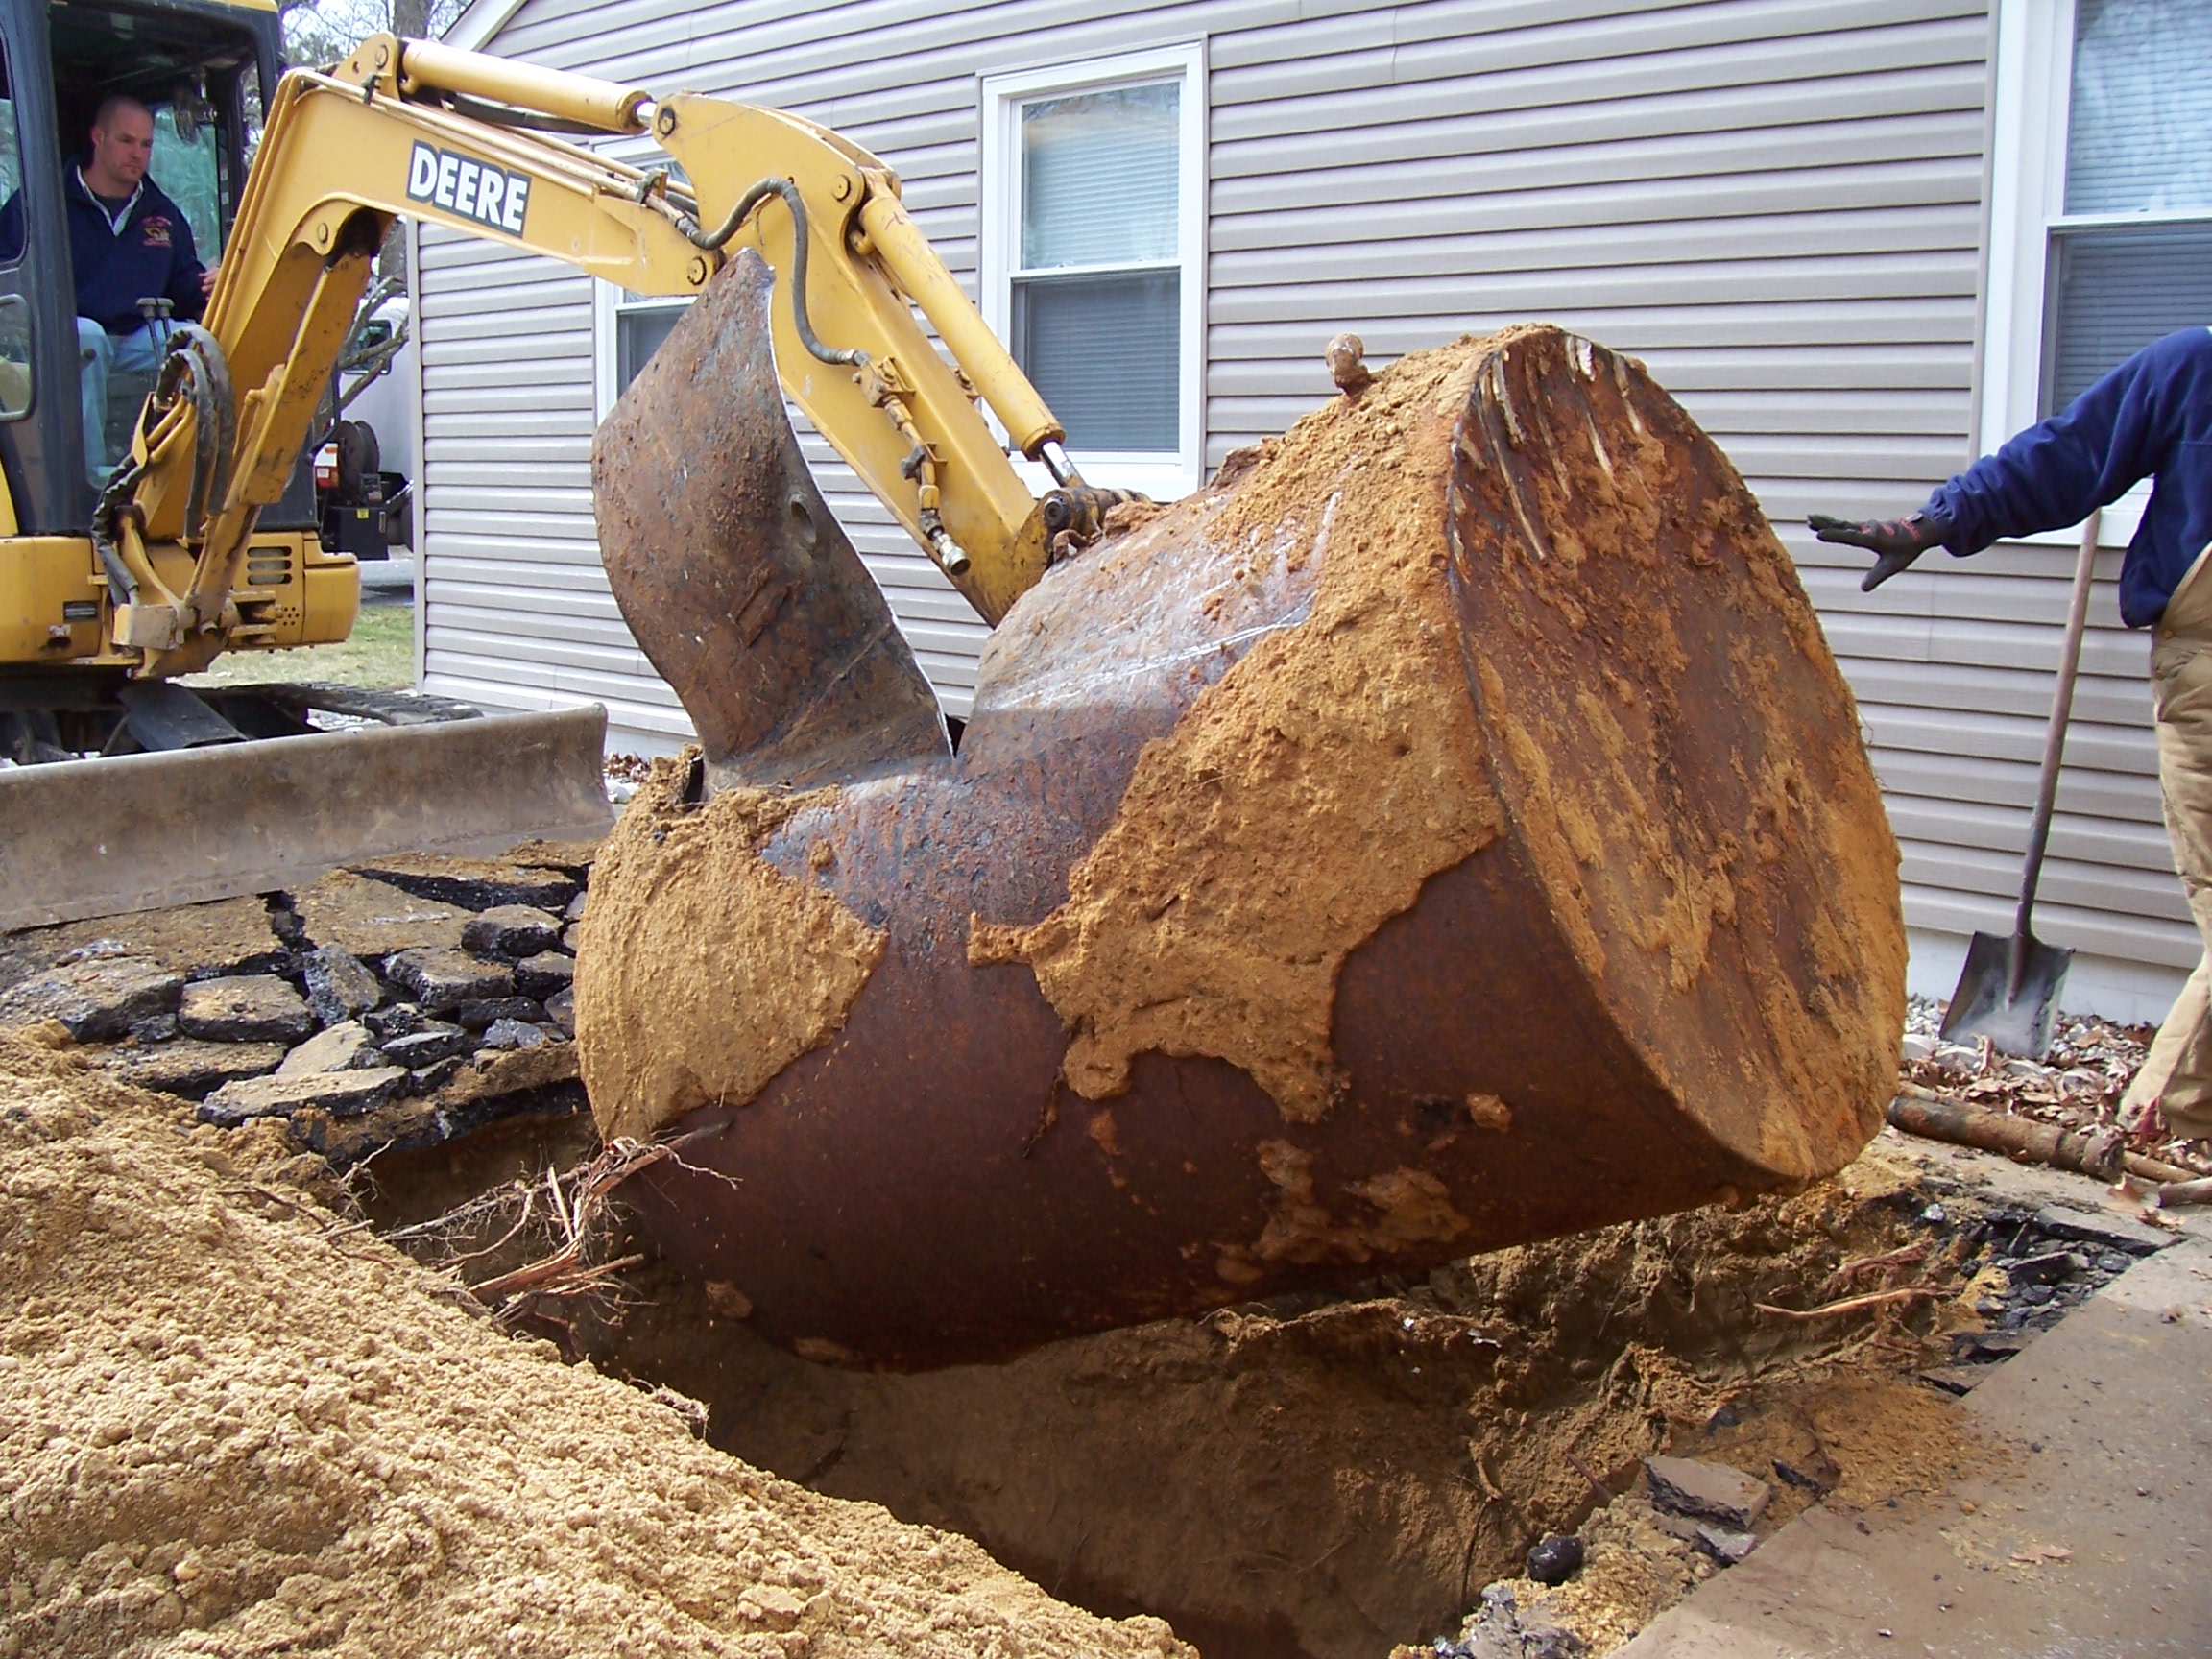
379, 657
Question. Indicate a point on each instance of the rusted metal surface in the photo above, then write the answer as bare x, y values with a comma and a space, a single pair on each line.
732, 571
926, 1189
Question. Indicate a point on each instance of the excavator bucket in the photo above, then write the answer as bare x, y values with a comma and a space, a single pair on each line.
1446, 830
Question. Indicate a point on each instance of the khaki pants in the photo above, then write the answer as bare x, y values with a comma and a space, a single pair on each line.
2177, 1076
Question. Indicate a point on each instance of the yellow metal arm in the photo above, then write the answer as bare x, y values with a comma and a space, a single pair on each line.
459, 140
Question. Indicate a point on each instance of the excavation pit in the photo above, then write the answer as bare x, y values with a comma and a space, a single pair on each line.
1333, 1476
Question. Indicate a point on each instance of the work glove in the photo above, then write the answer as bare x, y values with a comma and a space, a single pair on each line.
1897, 541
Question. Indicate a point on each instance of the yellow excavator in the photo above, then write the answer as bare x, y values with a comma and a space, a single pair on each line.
201, 536
1447, 828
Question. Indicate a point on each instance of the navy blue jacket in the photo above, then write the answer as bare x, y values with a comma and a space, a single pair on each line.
154, 255
2152, 417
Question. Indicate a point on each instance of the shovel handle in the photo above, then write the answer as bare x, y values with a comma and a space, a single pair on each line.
2061, 709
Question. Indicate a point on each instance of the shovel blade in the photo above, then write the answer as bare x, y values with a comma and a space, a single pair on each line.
2014, 1007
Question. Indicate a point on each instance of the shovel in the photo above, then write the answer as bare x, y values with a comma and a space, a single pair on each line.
2008, 990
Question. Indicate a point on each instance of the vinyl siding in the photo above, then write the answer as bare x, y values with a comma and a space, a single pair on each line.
1776, 203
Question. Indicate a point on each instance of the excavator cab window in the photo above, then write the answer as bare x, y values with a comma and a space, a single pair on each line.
193, 66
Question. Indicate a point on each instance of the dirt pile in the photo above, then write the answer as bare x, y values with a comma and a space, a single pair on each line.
1329, 1477
230, 1426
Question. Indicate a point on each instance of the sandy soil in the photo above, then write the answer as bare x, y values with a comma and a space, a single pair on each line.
230, 1424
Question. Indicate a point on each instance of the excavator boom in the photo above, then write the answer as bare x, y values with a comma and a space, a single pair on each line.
456, 138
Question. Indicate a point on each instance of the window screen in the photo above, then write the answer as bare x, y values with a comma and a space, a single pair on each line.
1103, 352
1097, 301
2131, 261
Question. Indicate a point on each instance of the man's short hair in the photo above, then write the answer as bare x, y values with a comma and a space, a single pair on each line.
116, 100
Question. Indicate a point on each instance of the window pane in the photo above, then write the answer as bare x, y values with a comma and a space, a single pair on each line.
2140, 133
1101, 178
638, 335
1106, 353
186, 175
2116, 290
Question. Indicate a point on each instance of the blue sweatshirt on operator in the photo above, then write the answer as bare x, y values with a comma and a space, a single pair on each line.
151, 255
2150, 417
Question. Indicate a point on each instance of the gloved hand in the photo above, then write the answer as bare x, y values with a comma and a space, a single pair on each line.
1897, 541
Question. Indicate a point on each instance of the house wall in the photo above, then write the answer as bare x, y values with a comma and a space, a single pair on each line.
1777, 204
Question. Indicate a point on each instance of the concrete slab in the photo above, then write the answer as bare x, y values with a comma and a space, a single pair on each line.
2091, 1538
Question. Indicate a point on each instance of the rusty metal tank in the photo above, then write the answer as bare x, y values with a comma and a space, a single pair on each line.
1445, 830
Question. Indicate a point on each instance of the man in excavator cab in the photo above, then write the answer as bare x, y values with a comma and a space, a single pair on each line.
132, 257
131, 250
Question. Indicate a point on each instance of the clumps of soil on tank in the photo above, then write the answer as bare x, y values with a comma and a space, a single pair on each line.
741, 969
1331, 1476
1304, 797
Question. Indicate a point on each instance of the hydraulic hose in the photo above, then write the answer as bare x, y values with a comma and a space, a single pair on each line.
714, 240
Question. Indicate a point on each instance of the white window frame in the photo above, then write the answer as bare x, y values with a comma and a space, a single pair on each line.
1160, 475
2032, 98
608, 304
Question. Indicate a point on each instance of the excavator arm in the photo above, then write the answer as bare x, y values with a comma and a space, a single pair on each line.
486, 146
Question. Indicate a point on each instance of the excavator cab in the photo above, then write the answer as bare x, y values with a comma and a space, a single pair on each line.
202, 69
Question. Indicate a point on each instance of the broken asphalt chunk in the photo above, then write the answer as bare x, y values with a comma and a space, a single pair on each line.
426, 1047
97, 1000
511, 931
546, 975
2115, 1232
1708, 1491
371, 919
252, 1008
339, 1094
1723, 1545
190, 1066
343, 1047
442, 979
479, 1015
339, 988
2053, 1267
397, 1021
505, 1034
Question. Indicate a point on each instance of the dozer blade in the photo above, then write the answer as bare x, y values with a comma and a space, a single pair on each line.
1446, 830
86, 838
